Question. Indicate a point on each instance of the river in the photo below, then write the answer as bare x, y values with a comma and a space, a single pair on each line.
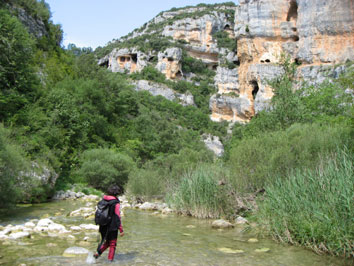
150, 240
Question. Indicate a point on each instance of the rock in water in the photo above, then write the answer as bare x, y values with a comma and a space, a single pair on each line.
75, 251
231, 251
262, 250
222, 224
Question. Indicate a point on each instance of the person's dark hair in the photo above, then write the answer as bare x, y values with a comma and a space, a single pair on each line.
113, 190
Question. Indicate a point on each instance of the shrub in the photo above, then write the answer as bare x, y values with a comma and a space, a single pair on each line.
314, 208
223, 40
145, 183
104, 167
200, 195
12, 163
256, 161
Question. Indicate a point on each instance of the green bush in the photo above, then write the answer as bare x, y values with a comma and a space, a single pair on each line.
200, 195
146, 183
12, 163
102, 168
256, 161
314, 208
223, 40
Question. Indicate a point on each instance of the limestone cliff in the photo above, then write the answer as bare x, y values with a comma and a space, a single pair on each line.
124, 60
313, 33
316, 34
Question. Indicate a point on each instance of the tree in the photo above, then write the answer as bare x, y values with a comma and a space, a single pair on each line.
17, 78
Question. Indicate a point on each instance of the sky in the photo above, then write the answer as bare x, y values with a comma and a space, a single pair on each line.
93, 23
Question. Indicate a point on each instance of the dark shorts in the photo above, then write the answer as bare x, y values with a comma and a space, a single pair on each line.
111, 234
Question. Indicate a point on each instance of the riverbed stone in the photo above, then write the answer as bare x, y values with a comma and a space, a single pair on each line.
89, 226
30, 225
252, 240
241, 220
57, 228
190, 226
167, 210
19, 235
71, 237
75, 251
44, 222
3, 237
222, 224
148, 206
125, 205
91, 198
84, 211
262, 250
75, 228
231, 251
39, 229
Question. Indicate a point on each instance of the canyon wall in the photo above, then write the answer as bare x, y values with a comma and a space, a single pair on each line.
316, 34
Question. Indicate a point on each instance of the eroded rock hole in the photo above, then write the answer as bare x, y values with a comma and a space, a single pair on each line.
227, 27
134, 57
295, 38
267, 61
170, 59
179, 74
297, 61
292, 13
237, 63
255, 88
104, 64
122, 59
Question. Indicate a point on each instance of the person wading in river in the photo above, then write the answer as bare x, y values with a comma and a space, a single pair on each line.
108, 218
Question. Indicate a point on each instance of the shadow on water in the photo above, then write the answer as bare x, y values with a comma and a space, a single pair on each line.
126, 256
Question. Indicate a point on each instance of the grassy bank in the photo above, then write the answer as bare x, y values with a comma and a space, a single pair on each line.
314, 208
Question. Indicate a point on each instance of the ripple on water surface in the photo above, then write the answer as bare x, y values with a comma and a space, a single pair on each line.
150, 240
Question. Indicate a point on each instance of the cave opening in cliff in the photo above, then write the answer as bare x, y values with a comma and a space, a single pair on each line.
134, 57
255, 88
227, 27
178, 74
292, 13
104, 64
236, 62
170, 59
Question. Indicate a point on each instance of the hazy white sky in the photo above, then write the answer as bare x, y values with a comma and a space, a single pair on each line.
95, 22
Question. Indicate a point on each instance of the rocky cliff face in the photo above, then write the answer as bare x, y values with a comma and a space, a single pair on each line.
124, 60
316, 34
169, 63
313, 33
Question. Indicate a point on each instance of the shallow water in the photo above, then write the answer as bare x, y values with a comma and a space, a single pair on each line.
150, 240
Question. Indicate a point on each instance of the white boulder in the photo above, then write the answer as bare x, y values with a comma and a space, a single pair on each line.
19, 235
